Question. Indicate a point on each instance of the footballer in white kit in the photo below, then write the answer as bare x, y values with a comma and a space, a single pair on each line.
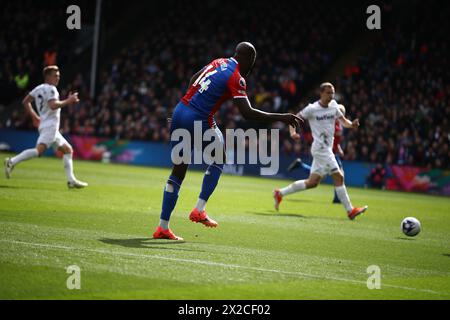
322, 116
322, 122
48, 105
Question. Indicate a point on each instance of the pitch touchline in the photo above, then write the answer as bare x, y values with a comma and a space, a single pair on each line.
219, 264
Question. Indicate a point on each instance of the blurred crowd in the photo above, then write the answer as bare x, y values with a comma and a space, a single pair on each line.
143, 83
28, 42
399, 90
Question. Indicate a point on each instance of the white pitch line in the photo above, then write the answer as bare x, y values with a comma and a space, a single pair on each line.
219, 264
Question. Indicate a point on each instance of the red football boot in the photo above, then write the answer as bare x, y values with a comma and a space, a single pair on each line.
160, 233
352, 214
197, 216
277, 197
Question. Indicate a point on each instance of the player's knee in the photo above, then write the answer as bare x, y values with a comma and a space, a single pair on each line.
312, 184
179, 171
338, 179
179, 175
68, 149
40, 150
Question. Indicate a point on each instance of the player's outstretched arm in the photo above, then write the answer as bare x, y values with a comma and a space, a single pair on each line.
29, 108
250, 113
71, 99
349, 124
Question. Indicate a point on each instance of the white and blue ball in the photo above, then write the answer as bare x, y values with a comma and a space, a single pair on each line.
411, 226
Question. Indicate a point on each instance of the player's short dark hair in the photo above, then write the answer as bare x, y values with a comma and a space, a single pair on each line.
48, 70
325, 85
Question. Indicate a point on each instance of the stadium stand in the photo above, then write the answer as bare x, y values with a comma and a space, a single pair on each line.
398, 88
401, 93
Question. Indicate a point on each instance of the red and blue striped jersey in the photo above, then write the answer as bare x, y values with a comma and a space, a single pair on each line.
219, 81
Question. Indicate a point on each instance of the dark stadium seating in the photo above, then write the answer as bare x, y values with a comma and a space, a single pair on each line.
399, 88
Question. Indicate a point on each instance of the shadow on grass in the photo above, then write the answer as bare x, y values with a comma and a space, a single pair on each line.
446, 255
275, 214
148, 243
298, 200
406, 239
8, 187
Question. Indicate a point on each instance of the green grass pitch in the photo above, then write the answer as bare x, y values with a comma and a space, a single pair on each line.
309, 250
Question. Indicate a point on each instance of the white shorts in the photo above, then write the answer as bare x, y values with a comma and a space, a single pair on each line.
324, 164
50, 136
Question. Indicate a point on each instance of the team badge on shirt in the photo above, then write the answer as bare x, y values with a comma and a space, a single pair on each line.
242, 82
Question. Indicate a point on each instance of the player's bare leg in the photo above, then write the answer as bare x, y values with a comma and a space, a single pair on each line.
170, 198
341, 191
10, 163
312, 182
72, 182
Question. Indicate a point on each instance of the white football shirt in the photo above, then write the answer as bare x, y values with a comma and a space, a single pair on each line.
42, 94
322, 122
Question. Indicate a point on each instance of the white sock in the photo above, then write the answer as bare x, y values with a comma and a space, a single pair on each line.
343, 196
164, 224
201, 204
24, 155
293, 187
68, 166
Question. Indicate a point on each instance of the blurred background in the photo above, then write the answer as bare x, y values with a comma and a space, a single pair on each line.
395, 80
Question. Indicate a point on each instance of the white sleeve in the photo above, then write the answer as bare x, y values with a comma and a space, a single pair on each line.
305, 113
53, 94
339, 114
34, 92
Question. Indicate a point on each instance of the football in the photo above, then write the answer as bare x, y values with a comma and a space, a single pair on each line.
411, 226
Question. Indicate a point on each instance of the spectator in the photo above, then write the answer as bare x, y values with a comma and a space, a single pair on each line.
50, 57
22, 80
377, 176
399, 89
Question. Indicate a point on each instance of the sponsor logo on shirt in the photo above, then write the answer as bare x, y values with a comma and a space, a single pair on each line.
325, 117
